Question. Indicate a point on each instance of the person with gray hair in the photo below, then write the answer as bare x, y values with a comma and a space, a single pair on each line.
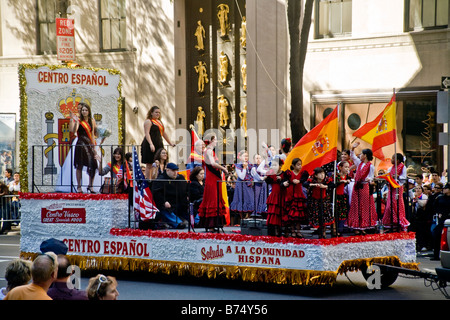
18, 273
44, 271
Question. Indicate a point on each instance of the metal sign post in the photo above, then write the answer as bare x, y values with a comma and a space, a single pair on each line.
443, 116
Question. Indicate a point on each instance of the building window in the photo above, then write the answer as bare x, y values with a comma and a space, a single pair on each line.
333, 18
113, 25
420, 135
426, 14
47, 12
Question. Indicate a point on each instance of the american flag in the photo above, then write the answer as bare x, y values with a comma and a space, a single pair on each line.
144, 207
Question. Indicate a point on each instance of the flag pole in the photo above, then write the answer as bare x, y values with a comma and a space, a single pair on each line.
396, 173
134, 187
336, 221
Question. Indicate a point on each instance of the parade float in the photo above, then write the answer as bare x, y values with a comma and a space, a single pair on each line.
96, 227
96, 230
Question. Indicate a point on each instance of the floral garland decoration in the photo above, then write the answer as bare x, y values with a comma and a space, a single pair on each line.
266, 239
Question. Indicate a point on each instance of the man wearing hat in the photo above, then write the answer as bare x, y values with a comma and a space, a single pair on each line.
170, 195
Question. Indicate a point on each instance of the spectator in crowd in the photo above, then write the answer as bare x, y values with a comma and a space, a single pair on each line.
442, 209
8, 176
14, 188
170, 195
422, 228
418, 180
14, 185
5, 208
427, 190
60, 289
432, 194
444, 178
102, 287
43, 272
434, 178
18, 273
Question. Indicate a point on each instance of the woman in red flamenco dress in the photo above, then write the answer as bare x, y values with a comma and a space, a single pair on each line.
276, 199
362, 214
392, 215
212, 210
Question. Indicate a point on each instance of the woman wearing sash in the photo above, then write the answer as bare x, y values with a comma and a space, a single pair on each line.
392, 212
154, 132
212, 210
85, 154
119, 173
362, 214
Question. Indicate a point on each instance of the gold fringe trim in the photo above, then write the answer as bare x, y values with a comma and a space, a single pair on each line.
248, 274
359, 264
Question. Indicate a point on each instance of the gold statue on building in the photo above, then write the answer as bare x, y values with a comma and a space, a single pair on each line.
222, 15
201, 121
223, 111
244, 75
244, 32
202, 76
200, 34
243, 116
223, 72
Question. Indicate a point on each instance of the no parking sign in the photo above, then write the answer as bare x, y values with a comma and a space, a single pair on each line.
65, 39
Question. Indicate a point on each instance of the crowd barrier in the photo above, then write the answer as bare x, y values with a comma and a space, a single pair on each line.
10, 212
51, 171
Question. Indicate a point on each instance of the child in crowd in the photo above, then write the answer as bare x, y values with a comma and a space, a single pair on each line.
319, 201
295, 200
275, 201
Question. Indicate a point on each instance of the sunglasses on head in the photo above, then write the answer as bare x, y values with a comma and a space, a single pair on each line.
101, 279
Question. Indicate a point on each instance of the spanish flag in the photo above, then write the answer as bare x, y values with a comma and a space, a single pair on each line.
381, 131
318, 147
389, 179
194, 156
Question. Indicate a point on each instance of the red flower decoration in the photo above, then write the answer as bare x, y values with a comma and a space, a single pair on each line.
266, 239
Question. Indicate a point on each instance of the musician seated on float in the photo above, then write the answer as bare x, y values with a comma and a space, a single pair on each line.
170, 195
